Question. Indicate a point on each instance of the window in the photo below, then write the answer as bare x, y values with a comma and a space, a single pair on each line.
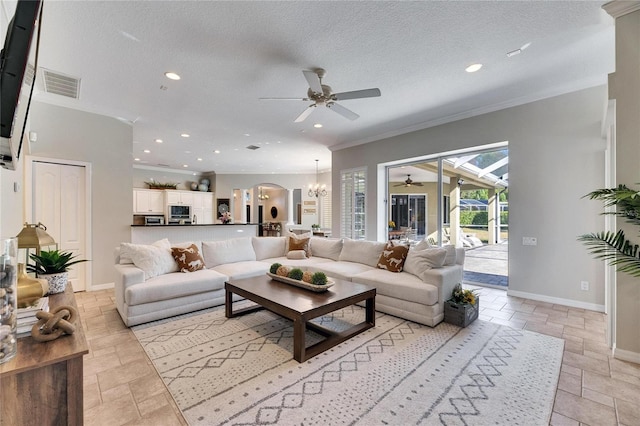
352, 214
325, 211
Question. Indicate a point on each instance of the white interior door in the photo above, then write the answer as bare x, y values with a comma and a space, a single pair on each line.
59, 202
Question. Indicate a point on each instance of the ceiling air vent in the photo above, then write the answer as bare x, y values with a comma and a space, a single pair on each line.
60, 84
253, 147
163, 165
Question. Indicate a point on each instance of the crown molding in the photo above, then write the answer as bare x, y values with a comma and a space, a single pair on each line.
619, 8
564, 89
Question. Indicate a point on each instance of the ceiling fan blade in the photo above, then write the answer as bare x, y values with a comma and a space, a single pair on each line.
284, 99
305, 113
356, 94
417, 184
345, 112
313, 80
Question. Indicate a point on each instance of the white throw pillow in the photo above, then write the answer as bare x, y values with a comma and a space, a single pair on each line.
154, 259
450, 259
365, 252
228, 251
328, 248
268, 247
419, 261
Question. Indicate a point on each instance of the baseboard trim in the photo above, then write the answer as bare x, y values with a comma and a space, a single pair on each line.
105, 286
629, 356
557, 300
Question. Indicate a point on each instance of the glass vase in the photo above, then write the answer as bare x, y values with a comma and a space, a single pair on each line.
8, 298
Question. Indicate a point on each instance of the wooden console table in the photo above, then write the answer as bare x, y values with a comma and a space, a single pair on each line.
43, 384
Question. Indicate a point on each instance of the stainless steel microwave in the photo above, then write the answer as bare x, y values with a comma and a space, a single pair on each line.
179, 213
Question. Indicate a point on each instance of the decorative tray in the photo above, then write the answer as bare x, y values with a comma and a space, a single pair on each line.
302, 284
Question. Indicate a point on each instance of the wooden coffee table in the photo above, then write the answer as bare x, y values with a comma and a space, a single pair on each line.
301, 306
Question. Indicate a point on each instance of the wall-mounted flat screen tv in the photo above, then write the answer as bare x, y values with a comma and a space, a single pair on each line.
13, 64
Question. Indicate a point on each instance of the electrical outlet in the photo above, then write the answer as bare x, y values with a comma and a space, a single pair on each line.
529, 241
584, 285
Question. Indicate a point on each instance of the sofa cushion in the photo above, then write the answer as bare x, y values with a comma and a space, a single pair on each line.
403, 286
227, 251
420, 260
188, 259
358, 251
329, 248
288, 234
154, 259
304, 264
296, 243
245, 269
393, 257
174, 285
266, 247
341, 270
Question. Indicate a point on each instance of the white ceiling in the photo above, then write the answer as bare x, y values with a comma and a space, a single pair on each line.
230, 54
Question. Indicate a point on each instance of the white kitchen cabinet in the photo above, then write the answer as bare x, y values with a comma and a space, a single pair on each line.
202, 207
148, 201
179, 197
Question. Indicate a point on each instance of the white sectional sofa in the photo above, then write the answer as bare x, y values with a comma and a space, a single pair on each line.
147, 290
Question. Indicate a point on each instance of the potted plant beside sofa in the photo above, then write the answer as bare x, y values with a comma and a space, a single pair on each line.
463, 307
53, 266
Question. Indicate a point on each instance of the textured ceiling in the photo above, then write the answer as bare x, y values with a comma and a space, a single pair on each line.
230, 54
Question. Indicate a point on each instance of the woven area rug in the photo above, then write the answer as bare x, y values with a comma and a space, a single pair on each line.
240, 371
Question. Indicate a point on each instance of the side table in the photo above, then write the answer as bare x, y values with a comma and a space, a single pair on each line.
42, 384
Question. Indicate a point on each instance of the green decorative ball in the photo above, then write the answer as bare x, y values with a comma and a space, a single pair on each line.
319, 278
296, 274
274, 267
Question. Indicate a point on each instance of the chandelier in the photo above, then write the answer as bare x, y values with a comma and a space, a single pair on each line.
262, 196
317, 190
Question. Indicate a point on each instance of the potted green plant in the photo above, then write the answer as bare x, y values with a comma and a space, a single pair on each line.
463, 306
53, 266
614, 247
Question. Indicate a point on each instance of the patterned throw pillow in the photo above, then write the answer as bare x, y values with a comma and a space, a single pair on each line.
296, 243
393, 257
188, 259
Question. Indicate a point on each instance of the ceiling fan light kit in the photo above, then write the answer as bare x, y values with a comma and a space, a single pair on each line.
322, 95
409, 183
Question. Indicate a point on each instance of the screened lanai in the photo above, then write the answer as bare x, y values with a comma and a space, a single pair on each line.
465, 204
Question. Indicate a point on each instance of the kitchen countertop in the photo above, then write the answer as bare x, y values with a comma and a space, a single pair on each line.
197, 224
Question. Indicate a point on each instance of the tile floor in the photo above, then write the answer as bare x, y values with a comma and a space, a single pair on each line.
121, 386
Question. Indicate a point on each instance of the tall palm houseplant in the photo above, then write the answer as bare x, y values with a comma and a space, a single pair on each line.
614, 247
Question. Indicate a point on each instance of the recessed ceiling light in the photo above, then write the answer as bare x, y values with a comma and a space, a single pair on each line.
185, 165
199, 159
317, 125
172, 75
136, 159
158, 140
217, 151
185, 135
473, 68
247, 134
187, 152
146, 151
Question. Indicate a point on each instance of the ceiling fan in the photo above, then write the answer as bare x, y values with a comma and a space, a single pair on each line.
409, 182
322, 95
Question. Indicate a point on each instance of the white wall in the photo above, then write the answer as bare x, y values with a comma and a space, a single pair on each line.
226, 183
104, 142
556, 155
625, 89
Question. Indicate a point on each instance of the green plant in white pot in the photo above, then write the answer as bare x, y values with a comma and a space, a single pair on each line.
53, 265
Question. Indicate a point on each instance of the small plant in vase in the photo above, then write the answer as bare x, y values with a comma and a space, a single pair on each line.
53, 265
225, 217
